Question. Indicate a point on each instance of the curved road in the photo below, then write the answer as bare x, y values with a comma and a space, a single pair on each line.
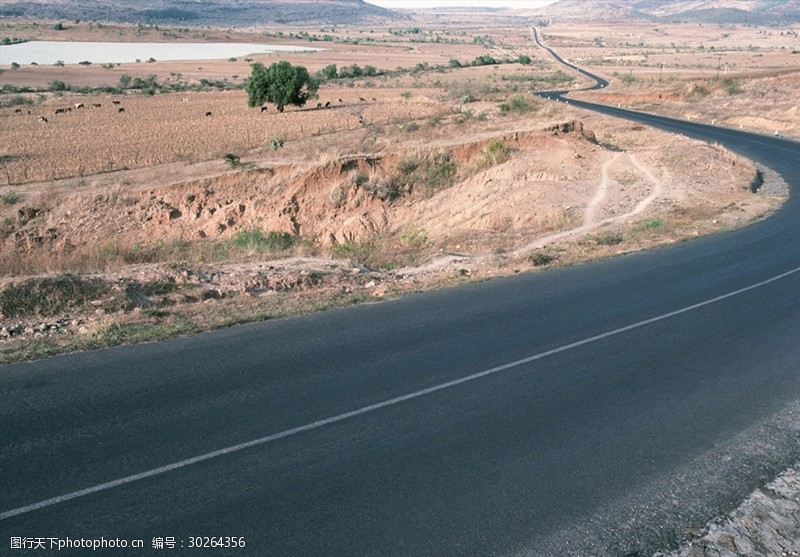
601, 409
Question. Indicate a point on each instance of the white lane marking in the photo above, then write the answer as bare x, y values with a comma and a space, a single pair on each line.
377, 406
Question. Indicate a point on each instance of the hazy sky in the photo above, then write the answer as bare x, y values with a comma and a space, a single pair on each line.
410, 4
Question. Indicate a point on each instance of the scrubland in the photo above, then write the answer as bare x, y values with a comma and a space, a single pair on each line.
426, 163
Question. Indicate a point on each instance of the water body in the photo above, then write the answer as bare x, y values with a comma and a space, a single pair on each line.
49, 52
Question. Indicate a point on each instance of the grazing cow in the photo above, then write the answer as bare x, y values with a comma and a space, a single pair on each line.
374, 99
96, 105
340, 101
263, 109
319, 105
42, 119
121, 109
208, 113
327, 104
61, 110
78, 105
18, 111
115, 102
362, 99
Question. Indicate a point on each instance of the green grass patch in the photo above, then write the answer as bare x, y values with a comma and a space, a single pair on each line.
653, 225
519, 104
255, 239
50, 296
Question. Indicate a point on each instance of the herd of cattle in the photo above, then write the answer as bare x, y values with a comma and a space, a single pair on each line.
119, 109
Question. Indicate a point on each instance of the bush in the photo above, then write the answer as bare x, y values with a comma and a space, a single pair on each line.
518, 104
232, 160
414, 237
329, 72
732, 86
11, 198
431, 172
608, 239
254, 239
495, 152
57, 85
542, 259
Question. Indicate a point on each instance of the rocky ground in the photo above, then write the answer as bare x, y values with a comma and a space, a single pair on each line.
766, 524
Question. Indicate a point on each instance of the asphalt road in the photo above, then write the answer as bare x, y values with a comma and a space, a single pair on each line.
594, 410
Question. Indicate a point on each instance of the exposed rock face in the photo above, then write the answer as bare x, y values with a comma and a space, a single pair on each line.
575, 126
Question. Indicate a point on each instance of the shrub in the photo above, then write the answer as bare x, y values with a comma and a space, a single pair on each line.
232, 160
358, 252
542, 259
329, 72
254, 239
430, 172
57, 85
276, 142
20, 100
414, 237
485, 60
732, 86
11, 198
608, 239
650, 225
360, 180
495, 152
518, 104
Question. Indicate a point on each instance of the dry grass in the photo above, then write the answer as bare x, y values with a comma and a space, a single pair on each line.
162, 129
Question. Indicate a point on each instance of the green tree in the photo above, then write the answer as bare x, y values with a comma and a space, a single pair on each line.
280, 84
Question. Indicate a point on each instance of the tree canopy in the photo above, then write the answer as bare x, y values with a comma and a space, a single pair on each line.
281, 84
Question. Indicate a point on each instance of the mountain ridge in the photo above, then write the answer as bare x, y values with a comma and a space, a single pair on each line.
748, 12
227, 13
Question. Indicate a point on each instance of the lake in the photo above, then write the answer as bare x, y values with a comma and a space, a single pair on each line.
49, 52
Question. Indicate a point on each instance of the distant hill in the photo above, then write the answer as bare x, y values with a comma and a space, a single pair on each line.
748, 12
217, 13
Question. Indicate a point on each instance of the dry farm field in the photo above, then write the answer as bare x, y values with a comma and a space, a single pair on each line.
152, 201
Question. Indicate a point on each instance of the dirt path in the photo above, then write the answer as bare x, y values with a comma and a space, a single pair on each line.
590, 220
